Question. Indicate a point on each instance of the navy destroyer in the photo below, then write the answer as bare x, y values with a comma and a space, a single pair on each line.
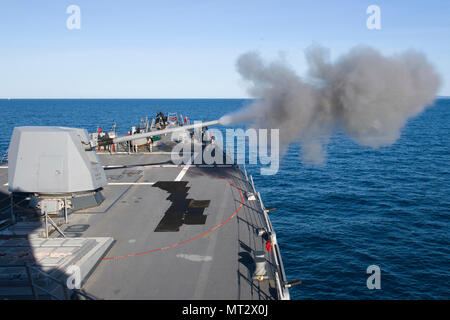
104, 216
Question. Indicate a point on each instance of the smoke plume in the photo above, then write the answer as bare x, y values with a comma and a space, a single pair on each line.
364, 94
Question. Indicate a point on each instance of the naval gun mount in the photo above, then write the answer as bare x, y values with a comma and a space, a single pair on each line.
58, 168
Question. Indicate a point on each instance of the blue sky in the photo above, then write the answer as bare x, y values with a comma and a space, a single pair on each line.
188, 49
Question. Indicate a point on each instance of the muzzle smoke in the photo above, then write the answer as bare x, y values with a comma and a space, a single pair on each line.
364, 94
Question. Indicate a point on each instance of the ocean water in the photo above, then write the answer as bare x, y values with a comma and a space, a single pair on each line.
388, 207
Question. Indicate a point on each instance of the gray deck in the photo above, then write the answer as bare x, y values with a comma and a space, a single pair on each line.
217, 265
204, 259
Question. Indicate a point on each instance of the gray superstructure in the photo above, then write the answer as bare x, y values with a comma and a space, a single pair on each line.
158, 231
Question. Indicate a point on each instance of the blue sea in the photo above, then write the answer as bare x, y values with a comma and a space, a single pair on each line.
388, 207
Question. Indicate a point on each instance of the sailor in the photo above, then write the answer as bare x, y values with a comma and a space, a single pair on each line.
206, 137
149, 144
128, 142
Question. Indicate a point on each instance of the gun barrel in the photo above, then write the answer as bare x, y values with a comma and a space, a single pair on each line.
165, 131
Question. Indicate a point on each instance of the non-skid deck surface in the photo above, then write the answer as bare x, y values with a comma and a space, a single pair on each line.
193, 238
180, 232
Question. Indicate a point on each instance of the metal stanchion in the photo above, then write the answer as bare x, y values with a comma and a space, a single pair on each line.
46, 225
13, 217
65, 210
30, 279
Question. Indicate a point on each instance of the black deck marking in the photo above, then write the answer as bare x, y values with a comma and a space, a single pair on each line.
199, 203
115, 177
182, 210
129, 172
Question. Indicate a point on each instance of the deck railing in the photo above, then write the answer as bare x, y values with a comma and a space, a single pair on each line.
35, 287
280, 279
67, 293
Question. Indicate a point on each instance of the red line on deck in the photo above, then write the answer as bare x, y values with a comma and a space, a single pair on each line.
196, 237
